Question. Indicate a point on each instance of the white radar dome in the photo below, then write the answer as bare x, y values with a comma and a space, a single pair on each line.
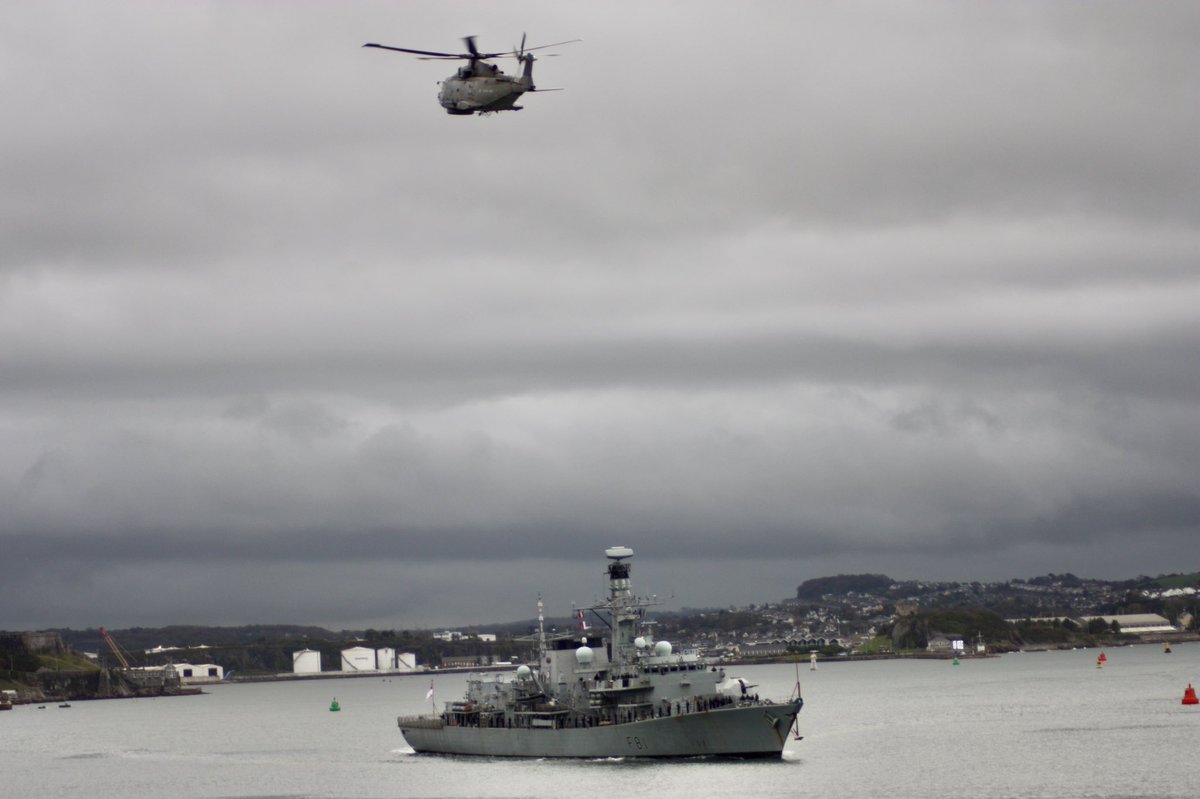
662, 648
583, 655
524, 672
639, 642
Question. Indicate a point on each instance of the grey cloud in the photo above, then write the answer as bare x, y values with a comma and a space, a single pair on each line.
767, 291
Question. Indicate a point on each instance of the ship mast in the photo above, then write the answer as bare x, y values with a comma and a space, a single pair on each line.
541, 631
623, 607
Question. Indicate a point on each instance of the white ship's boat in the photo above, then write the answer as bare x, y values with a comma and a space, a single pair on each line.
621, 694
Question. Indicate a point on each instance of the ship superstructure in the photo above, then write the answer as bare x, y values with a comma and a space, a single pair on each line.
611, 695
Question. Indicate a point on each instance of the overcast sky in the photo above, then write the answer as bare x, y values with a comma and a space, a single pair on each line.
771, 291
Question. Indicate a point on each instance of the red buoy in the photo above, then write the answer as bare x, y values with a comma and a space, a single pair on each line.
1189, 696
1103, 658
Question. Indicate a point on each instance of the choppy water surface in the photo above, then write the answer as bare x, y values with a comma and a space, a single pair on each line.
1026, 725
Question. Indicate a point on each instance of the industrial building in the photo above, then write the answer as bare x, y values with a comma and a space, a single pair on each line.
306, 661
198, 674
358, 658
1137, 623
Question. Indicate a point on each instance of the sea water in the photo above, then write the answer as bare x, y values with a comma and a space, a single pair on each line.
1022, 725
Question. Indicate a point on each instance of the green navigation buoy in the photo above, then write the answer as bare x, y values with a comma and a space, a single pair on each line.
954, 662
334, 706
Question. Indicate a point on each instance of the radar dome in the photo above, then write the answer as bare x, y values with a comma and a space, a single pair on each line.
640, 642
583, 655
662, 648
524, 672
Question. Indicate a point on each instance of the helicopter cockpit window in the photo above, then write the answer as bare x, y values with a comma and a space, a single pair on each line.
464, 72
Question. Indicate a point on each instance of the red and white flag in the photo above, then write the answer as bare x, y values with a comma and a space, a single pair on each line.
582, 623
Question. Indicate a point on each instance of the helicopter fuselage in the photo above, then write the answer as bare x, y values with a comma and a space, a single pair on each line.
482, 94
482, 88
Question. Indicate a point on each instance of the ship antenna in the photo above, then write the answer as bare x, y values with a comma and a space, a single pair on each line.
541, 632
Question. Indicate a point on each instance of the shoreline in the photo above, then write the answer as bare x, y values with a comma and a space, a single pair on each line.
1159, 639
24, 698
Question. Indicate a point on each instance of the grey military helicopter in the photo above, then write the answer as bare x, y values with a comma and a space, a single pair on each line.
479, 87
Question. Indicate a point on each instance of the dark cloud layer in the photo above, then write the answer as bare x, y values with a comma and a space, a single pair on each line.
770, 291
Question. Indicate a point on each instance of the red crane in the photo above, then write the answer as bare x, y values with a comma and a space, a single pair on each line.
116, 649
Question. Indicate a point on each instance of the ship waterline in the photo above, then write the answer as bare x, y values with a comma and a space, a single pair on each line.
755, 731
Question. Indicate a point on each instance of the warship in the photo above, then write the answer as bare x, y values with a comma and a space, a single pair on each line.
619, 694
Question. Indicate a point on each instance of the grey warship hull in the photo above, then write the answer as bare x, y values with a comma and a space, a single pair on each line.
619, 694
751, 731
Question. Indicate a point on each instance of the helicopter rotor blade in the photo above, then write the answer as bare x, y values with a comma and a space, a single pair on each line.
544, 46
522, 51
474, 51
416, 52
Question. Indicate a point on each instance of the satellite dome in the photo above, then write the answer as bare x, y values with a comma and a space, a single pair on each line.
524, 672
662, 648
640, 642
583, 655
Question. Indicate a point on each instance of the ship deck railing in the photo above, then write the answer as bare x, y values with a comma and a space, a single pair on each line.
566, 719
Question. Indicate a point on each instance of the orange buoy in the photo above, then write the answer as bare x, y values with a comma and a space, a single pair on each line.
1189, 696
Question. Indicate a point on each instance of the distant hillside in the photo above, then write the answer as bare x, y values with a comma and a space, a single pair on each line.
813, 590
914, 632
268, 648
1178, 581
138, 639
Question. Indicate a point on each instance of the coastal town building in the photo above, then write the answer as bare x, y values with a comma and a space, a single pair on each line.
1137, 623
197, 673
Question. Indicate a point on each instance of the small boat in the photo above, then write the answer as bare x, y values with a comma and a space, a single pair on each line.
65, 704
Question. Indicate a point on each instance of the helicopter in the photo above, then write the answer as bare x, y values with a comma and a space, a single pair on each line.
478, 87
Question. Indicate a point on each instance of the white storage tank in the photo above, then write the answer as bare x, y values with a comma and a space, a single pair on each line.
406, 661
306, 661
358, 658
385, 658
